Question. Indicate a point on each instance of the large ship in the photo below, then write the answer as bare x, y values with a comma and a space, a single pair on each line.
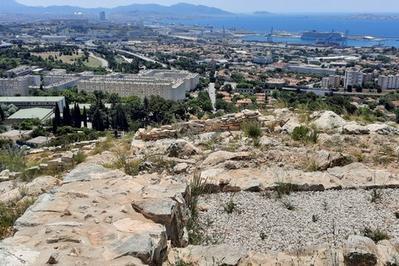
323, 37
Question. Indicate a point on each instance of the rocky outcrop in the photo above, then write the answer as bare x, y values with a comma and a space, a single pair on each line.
99, 216
328, 121
13, 191
360, 250
230, 122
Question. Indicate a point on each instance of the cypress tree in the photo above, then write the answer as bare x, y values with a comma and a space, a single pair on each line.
78, 117
67, 115
55, 126
57, 115
2, 114
84, 117
119, 119
98, 120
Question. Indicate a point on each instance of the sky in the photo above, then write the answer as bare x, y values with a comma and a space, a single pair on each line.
241, 6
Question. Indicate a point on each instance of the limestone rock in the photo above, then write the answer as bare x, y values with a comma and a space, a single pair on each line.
328, 121
325, 159
180, 168
291, 124
354, 128
360, 250
206, 255
221, 156
182, 148
382, 129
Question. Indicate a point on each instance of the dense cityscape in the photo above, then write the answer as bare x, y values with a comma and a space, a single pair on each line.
148, 141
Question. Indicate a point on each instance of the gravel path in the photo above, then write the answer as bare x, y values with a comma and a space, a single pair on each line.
262, 222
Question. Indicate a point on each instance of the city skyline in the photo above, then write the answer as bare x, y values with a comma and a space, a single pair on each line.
283, 6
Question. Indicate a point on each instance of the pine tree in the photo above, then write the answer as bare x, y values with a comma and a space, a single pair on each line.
84, 117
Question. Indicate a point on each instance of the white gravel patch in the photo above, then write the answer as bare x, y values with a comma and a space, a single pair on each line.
260, 222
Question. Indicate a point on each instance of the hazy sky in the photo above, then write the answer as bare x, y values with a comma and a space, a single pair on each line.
249, 5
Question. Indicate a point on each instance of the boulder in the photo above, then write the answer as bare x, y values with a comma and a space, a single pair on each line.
291, 124
326, 159
222, 156
167, 212
146, 241
382, 129
206, 255
40, 185
360, 251
180, 168
353, 128
328, 120
182, 148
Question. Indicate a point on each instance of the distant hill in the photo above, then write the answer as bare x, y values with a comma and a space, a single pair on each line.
182, 9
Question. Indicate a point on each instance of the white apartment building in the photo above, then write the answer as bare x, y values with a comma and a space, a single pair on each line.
169, 84
353, 78
311, 69
388, 82
18, 86
331, 82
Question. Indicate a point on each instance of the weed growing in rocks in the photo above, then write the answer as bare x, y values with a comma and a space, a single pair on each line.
230, 206
183, 263
262, 235
288, 205
198, 186
376, 235
285, 189
9, 214
252, 130
305, 134
80, 157
311, 165
315, 218
376, 196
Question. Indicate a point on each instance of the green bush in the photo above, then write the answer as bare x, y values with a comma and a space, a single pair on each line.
305, 134
9, 214
376, 235
252, 130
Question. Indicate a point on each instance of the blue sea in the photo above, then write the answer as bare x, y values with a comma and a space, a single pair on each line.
384, 27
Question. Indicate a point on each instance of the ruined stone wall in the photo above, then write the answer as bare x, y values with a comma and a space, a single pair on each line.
230, 122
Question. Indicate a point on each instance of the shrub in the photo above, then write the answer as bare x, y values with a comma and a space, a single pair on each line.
80, 157
230, 206
252, 130
376, 235
13, 159
288, 205
376, 196
9, 214
305, 134
285, 189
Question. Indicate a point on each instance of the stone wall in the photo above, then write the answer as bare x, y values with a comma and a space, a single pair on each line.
230, 122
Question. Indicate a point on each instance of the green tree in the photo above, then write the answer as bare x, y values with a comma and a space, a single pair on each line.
67, 119
84, 117
77, 117
119, 119
57, 115
2, 114
98, 120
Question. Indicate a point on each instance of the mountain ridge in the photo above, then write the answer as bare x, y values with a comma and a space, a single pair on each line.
180, 9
